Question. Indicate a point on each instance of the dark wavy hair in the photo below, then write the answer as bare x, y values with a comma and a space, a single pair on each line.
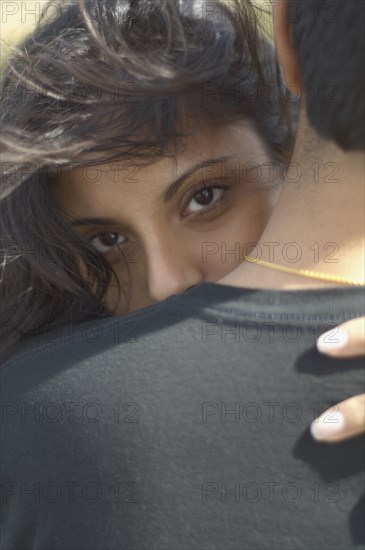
107, 80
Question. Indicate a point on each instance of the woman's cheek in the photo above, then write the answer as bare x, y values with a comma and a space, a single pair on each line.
219, 252
224, 249
117, 301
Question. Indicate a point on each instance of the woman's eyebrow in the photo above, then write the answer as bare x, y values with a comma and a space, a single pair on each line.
172, 189
93, 221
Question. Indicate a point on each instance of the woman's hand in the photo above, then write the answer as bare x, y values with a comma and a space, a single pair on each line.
347, 419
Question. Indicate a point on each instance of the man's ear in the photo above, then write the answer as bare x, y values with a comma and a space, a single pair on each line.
286, 53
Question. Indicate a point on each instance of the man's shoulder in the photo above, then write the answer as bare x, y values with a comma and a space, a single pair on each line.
185, 317
54, 339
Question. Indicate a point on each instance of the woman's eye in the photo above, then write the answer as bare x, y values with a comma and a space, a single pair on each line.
205, 198
104, 242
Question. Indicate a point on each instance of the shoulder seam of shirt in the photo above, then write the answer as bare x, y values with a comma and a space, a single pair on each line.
196, 304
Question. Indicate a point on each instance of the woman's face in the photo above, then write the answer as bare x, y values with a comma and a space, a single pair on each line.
169, 226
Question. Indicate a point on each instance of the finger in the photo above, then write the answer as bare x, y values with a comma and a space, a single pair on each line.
345, 420
347, 340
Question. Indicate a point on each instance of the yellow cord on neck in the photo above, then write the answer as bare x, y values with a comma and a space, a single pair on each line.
307, 273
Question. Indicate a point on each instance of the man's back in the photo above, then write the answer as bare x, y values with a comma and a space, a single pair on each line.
195, 438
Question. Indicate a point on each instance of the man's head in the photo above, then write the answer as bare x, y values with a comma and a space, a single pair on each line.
321, 47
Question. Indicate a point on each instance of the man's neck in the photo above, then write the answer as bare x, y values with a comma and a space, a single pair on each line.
318, 223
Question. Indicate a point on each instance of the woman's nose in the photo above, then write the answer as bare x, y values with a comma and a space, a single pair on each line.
169, 272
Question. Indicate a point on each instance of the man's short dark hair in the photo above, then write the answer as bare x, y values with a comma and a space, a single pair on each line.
329, 38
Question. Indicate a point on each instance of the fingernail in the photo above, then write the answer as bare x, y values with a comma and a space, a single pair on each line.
327, 425
332, 340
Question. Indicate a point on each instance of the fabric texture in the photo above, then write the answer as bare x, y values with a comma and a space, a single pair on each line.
184, 426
